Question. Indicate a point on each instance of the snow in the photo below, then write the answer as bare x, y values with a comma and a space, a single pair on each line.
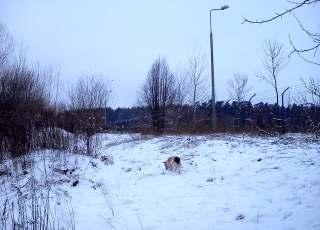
226, 182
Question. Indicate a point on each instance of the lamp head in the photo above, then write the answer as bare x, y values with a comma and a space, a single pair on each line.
224, 7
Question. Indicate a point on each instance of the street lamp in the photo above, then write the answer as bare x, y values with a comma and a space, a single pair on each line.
213, 100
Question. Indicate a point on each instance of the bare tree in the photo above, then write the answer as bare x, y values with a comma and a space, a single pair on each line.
238, 87
273, 63
181, 89
88, 100
6, 46
197, 84
181, 96
314, 36
312, 87
158, 93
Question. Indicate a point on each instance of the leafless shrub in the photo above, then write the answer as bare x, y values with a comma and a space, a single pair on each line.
28, 201
238, 87
22, 100
312, 87
88, 100
28, 104
107, 198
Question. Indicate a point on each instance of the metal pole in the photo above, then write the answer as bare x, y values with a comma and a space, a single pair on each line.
213, 99
252, 97
213, 96
282, 111
283, 95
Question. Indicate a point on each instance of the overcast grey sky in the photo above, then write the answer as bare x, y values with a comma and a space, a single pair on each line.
120, 39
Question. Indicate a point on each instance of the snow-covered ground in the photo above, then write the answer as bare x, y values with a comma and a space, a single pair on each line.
226, 182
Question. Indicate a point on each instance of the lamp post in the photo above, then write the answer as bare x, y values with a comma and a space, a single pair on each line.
252, 97
213, 99
283, 112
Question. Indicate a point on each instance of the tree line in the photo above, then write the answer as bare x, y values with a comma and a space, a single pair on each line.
260, 118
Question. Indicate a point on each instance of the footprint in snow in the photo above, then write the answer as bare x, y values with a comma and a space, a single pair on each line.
128, 202
309, 206
293, 198
287, 215
226, 209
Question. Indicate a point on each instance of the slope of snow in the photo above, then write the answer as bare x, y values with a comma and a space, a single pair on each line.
226, 182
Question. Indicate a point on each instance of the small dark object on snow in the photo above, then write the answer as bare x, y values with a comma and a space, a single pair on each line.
210, 179
25, 172
108, 160
75, 183
93, 164
61, 181
61, 171
64, 171
240, 217
259, 159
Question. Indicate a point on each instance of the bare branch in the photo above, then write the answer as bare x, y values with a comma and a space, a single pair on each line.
6, 46
197, 84
238, 87
279, 15
315, 37
301, 51
312, 87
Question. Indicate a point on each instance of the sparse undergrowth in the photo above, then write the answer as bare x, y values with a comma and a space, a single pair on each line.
231, 181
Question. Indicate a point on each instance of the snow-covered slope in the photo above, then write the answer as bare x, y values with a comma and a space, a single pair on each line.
226, 182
